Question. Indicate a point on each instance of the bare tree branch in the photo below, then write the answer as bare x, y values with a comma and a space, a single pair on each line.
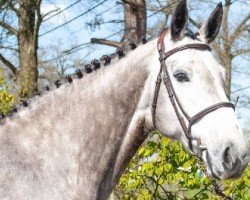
240, 28
225, 23
12, 7
48, 13
9, 48
241, 89
240, 52
113, 21
8, 64
11, 30
106, 42
198, 25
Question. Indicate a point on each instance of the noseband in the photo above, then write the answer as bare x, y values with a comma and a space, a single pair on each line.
178, 108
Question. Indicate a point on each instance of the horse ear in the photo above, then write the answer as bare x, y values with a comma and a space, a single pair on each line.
179, 20
211, 28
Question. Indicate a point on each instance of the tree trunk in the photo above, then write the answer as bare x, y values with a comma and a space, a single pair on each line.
228, 66
227, 59
27, 38
135, 24
135, 17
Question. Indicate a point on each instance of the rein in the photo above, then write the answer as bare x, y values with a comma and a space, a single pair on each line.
178, 108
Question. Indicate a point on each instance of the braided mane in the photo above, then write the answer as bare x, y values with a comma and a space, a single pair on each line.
95, 64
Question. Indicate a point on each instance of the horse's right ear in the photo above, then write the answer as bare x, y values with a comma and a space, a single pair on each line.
179, 20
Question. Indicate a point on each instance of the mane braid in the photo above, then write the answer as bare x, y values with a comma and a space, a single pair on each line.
105, 60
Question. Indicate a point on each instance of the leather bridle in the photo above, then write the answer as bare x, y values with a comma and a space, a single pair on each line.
178, 108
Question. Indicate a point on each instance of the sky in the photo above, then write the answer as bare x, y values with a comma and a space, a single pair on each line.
77, 32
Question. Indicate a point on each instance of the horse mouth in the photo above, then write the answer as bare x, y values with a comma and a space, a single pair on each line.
232, 173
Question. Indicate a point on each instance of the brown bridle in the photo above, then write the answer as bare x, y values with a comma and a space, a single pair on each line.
178, 108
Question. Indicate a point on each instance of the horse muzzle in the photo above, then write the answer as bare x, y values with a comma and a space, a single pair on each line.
230, 165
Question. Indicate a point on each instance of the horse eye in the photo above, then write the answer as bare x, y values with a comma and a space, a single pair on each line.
181, 77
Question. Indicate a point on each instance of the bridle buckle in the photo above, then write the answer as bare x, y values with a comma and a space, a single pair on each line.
199, 147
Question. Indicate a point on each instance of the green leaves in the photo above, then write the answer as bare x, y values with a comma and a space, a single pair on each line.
163, 170
6, 100
240, 188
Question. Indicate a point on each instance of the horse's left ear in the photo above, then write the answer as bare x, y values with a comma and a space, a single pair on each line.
211, 28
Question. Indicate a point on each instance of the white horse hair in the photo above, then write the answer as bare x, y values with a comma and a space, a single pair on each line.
75, 142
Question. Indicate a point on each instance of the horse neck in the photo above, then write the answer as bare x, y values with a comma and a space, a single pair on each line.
125, 125
94, 122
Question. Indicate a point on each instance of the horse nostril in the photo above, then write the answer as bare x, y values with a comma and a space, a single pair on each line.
227, 156
244, 156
